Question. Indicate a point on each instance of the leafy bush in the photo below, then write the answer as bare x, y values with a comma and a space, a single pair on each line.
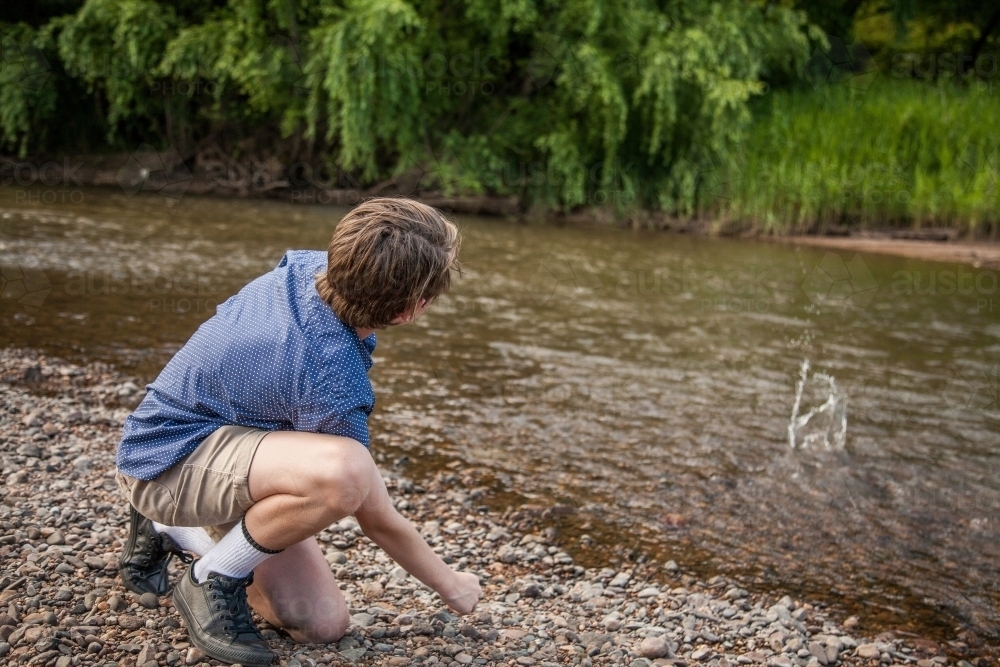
559, 103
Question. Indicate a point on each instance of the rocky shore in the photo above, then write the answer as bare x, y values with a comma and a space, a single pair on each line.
62, 524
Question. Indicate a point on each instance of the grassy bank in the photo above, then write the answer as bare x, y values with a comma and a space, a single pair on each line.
895, 153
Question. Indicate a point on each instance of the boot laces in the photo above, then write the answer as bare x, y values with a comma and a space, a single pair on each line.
236, 614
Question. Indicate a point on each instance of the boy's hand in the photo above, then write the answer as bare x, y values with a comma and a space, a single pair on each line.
465, 593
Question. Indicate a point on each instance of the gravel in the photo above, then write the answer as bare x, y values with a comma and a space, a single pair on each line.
63, 522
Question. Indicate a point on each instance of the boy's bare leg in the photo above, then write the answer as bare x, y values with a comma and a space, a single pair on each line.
302, 483
296, 590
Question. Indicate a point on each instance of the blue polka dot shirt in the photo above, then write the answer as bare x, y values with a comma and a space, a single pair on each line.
274, 356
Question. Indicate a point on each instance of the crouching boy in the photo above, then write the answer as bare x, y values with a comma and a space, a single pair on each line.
254, 438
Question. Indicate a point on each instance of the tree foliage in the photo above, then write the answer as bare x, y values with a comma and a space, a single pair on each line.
561, 103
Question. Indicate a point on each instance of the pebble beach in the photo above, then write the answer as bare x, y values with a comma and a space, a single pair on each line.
63, 521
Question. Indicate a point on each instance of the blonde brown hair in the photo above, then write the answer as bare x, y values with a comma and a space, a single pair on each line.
385, 256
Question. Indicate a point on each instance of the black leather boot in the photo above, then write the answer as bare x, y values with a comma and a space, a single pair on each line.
143, 562
218, 619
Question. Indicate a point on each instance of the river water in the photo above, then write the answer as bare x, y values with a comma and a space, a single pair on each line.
643, 383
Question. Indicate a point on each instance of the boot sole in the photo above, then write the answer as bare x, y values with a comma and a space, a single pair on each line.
209, 644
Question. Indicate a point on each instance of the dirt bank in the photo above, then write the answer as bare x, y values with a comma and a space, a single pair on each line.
979, 254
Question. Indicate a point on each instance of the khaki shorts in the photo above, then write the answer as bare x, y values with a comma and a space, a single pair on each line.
209, 487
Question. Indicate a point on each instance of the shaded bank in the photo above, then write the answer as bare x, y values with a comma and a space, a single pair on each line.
62, 180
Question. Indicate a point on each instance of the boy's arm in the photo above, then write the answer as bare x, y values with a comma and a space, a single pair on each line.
397, 537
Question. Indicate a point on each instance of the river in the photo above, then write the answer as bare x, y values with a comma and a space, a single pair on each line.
643, 383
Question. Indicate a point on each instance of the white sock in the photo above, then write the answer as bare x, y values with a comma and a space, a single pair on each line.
195, 540
235, 555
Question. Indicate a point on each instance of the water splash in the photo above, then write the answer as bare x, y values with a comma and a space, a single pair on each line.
825, 424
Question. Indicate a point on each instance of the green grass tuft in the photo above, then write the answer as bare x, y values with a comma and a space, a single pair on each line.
898, 153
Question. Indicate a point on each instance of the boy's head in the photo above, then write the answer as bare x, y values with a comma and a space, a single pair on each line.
386, 257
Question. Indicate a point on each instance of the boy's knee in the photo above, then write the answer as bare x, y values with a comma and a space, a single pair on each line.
321, 633
342, 480
312, 621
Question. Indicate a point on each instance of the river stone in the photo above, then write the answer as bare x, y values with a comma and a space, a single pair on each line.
818, 651
654, 647
149, 600
354, 654
130, 622
336, 557
33, 418
620, 580
362, 620
701, 653
194, 656
868, 651
372, 589
36, 632
506, 554
30, 449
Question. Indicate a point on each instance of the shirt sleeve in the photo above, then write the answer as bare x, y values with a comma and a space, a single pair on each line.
333, 415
